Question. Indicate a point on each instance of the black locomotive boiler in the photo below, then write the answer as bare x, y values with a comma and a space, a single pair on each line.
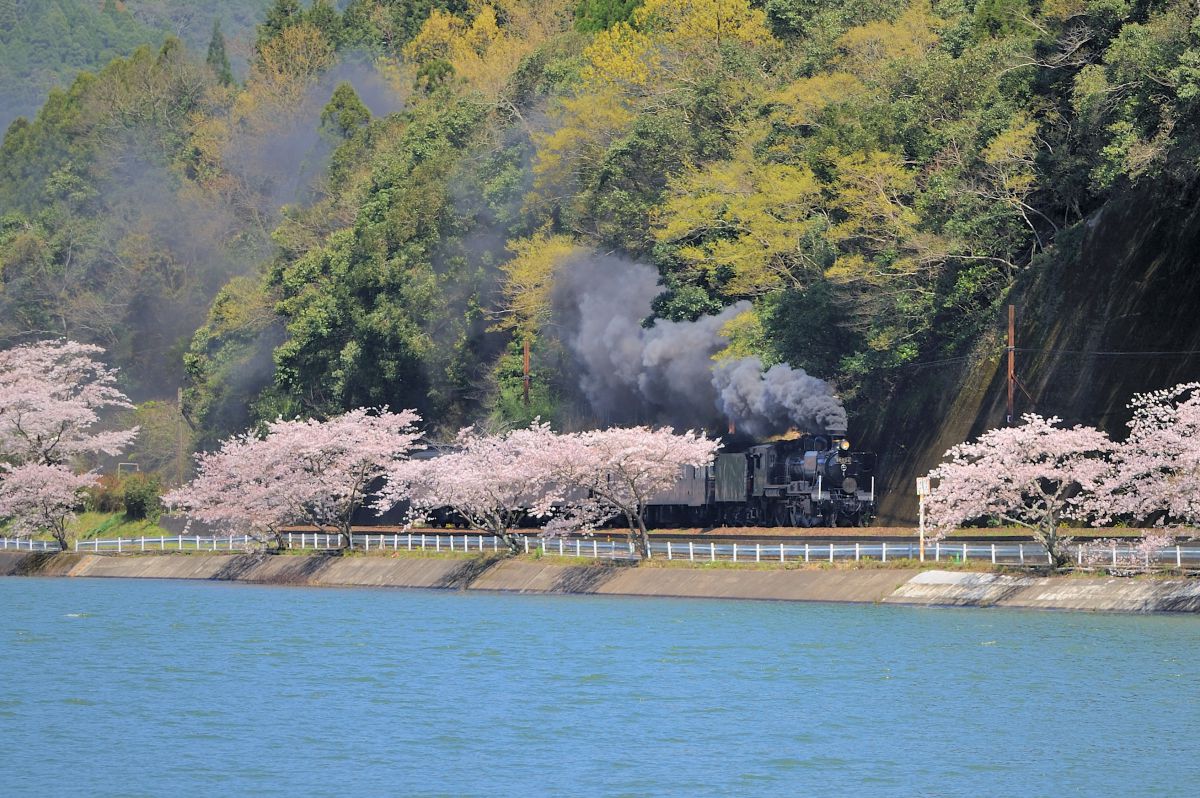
806, 481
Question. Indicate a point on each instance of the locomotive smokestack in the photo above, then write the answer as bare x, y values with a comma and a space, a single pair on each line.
732, 427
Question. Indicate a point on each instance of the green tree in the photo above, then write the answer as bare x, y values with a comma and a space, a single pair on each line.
217, 59
281, 15
345, 112
325, 18
597, 15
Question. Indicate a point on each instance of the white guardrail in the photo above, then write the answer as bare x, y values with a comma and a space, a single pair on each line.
1005, 553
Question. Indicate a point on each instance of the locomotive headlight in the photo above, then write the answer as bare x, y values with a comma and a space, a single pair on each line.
845, 446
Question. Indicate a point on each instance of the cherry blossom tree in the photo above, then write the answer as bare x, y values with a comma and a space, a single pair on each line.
299, 471
1128, 559
620, 469
490, 481
52, 395
238, 488
1035, 475
1156, 473
37, 498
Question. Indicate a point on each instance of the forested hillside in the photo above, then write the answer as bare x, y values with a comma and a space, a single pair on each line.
400, 195
45, 43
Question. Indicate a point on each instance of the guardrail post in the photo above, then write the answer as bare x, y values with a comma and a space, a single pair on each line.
595, 548
691, 552
883, 551
1178, 557
831, 552
437, 542
993, 554
77, 545
758, 552
560, 547
712, 552
937, 551
670, 554
856, 552
118, 545
806, 552
781, 552
735, 552
1114, 555
527, 544
964, 552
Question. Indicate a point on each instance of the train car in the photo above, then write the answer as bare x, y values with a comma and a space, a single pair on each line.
810, 480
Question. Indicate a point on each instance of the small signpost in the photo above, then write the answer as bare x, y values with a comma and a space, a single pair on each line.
922, 492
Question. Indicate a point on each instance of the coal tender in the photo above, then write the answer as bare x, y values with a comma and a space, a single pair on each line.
803, 481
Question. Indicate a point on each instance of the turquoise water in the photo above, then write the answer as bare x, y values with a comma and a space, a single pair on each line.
129, 688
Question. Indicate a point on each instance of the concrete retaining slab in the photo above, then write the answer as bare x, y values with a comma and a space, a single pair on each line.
867, 585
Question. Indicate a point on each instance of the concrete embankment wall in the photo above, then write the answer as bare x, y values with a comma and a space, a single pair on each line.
887, 586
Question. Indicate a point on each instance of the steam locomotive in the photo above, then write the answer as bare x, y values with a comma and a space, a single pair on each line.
810, 480
806, 481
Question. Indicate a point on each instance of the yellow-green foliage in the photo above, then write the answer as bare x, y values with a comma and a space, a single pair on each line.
871, 175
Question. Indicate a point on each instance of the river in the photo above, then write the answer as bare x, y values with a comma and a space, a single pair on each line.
137, 687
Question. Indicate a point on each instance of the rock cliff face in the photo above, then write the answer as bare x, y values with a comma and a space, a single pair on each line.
1125, 280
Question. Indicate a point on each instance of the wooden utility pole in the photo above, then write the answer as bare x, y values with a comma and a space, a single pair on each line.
526, 371
1012, 352
179, 457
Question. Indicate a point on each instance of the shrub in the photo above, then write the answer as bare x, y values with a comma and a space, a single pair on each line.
143, 496
108, 494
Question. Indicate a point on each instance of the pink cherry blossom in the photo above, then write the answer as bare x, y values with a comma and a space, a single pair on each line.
490, 481
616, 471
52, 395
1138, 558
238, 489
1035, 475
300, 471
37, 498
1156, 474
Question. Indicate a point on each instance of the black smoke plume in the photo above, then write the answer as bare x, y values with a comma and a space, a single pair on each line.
665, 373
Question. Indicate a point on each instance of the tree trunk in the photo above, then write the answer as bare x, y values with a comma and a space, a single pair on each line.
512, 541
640, 536
1050, 539
61, 537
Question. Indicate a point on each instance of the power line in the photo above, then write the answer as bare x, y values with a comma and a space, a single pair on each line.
942, 362
1112, 353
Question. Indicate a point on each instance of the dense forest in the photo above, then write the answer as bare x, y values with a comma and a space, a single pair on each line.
393, 197
44, 44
